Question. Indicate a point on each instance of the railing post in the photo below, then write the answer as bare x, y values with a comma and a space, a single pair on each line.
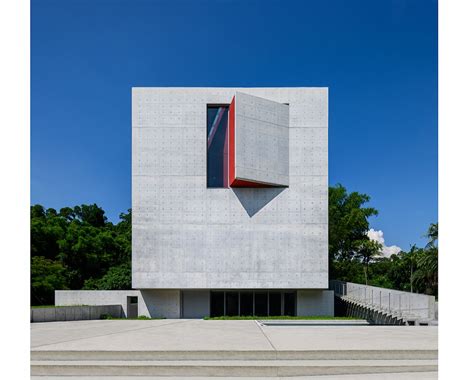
389, 301
380, 298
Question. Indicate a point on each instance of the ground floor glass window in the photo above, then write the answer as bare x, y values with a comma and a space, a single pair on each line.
253, 303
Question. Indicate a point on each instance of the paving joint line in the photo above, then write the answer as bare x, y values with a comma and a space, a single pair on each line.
267, 338
113, 333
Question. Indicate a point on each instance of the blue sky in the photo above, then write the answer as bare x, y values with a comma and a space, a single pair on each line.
378, 58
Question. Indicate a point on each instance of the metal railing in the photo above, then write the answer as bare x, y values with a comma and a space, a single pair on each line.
398, 303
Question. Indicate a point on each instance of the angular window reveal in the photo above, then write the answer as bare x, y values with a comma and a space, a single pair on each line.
258, 142
248, 143
217, 146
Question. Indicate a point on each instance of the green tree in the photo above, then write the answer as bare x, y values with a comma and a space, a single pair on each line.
116, 278
46, 277
348, 227
45, 230
379, 272
91, 214
426, 275
432, 236
75, 245
88, 251
367, 251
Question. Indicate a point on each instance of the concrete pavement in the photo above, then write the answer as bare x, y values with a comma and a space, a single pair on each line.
376, 376
229, 348
189, 335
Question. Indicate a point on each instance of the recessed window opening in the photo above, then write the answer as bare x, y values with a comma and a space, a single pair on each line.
259, 303
217, 146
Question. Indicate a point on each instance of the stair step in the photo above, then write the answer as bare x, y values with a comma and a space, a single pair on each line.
238, 368
41, 355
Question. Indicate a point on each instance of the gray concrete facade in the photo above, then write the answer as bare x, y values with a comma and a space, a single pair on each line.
173, 303
188, 239
315, 303
195, 303
187, 236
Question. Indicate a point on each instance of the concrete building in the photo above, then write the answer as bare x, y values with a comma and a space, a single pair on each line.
230, 202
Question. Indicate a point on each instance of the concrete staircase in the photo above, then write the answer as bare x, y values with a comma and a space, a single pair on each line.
381, 316
383, 306
230, 363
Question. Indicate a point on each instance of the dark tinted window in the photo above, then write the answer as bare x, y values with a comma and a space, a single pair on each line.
290, 304
217, 154
217, 304
232, 303
275, 303
261, 304
246, 303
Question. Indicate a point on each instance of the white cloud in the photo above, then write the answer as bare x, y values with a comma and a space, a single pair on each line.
378, 237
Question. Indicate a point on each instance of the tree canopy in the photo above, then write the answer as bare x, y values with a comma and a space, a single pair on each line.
78, 248
354, 257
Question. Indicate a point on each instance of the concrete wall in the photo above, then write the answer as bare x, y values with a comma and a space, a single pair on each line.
94, 297
315, 303
261, 140
151, 303
74, 313
195, 303
186, 236
159, 303
173, 303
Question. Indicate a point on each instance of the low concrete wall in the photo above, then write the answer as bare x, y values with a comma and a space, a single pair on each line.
73, 313
156, 303
95, 297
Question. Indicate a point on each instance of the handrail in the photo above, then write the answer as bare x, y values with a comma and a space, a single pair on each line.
397, 302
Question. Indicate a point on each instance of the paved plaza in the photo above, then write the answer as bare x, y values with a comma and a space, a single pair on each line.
242, 348
199, 335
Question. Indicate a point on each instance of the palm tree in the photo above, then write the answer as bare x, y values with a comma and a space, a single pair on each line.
367, 252
432, 236
426, 276
412, 258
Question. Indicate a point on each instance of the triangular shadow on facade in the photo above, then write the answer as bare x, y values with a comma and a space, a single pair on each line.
253, 200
